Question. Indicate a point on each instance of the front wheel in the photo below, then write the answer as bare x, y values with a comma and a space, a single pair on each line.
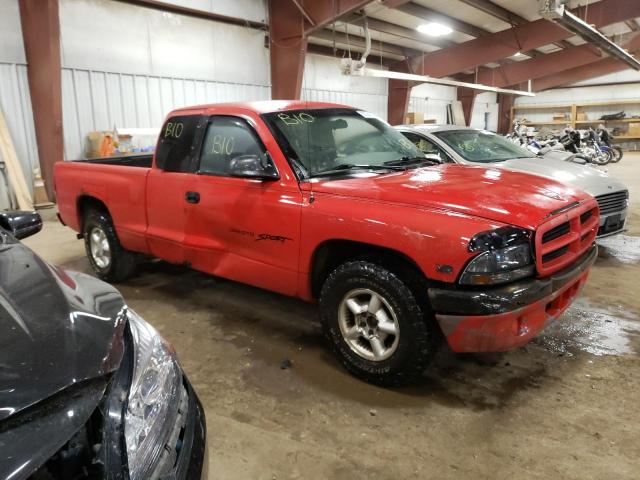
602, 157
375, 324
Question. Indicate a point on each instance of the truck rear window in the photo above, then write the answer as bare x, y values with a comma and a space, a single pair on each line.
174, 152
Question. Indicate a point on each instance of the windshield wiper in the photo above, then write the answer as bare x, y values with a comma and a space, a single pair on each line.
411, 161
352, 166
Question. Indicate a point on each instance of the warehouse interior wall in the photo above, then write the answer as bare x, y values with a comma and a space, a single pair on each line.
127, 66
485, 112
15, 100
432, 100
323, 82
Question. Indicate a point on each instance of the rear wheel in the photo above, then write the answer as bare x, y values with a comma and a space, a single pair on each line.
617, 154
109, 260
375, 324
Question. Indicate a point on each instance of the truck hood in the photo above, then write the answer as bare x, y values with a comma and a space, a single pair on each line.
59, 328
492, 193
587, 178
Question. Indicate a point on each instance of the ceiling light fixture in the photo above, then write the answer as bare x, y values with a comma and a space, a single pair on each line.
434, 29
350, 67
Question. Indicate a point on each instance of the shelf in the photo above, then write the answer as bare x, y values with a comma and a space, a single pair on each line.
564, 122
623, 120
542, 106
612, 103
626, 137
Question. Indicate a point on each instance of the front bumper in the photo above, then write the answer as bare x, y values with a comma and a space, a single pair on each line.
612, 224
192, 461
508, 316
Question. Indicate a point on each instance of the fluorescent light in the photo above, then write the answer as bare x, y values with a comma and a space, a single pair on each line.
434, 29
372, 72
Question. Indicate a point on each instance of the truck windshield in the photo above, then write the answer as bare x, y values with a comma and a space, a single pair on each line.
482, 146
338, 140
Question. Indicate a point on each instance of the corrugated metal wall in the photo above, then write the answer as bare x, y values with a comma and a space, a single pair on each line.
323, 82
371, 102
15, 102
95, 100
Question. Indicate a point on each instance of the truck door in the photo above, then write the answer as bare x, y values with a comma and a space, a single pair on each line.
243, 229
168, 198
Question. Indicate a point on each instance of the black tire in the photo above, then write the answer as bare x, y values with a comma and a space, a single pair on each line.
617, 154
122, 262
418, 335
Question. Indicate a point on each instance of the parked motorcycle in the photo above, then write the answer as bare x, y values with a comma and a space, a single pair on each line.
605, 139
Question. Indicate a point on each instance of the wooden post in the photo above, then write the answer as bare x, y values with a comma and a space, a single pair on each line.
14, 170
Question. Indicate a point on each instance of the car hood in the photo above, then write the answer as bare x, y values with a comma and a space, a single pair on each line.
587, 178
59, 328
496, 194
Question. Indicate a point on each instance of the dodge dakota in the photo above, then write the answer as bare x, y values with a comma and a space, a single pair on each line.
330, 204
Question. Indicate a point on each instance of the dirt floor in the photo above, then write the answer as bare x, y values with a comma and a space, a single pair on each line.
566, 406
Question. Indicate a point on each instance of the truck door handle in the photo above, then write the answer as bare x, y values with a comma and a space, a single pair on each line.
192, 197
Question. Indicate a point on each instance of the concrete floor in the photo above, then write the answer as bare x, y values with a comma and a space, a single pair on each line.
565, 406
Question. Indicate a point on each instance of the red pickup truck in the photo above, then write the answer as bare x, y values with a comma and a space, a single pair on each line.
329, 203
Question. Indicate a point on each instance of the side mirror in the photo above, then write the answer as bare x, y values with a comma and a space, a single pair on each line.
252, 166
434, 157
21, 224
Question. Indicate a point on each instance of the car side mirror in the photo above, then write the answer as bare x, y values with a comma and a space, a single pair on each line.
21, 224
252, 166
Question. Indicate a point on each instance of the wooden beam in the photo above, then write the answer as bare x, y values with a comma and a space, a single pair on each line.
14, 169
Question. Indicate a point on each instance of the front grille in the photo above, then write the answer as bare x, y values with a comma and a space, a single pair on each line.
565, 237
556, 232
555, 254
612, 202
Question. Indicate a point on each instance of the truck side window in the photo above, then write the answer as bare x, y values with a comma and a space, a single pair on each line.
426, 146
227, 138
174, 152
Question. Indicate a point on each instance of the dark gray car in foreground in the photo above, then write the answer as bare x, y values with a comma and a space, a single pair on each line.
88, 389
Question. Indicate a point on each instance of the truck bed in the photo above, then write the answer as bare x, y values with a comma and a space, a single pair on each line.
117, 182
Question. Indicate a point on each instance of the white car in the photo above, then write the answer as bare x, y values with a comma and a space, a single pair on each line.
452, 143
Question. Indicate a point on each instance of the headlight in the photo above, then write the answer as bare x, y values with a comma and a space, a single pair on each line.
505, 256
154, 399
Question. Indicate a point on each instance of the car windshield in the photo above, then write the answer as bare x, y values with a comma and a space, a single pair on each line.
339, 140
482, 146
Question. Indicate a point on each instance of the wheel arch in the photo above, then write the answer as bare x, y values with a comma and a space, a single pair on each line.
87, 202
330, 254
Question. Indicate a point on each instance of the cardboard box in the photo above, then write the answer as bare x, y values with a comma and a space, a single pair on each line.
581, 117
414, 117
559, 116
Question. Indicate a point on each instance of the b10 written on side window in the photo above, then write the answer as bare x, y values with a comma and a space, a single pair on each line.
175, 152
227, 138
